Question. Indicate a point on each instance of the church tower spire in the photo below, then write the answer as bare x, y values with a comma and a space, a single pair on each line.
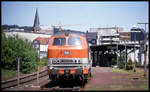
36, 24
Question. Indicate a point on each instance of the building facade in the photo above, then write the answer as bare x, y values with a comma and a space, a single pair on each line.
124, 36
107, 35
41, 46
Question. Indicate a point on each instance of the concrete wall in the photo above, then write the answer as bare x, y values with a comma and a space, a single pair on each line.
25, 35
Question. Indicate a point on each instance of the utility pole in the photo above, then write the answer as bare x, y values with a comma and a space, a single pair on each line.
145, 48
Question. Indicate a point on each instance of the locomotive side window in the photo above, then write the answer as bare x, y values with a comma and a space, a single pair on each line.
74, 41
59, 41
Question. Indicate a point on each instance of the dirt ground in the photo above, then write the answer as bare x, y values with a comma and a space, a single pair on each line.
103, 78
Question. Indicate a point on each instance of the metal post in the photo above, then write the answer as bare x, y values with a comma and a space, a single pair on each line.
134, 54
145, 58
18, 72
145, 54
125, 55
117, 53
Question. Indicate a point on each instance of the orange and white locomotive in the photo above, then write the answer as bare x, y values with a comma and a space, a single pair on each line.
68, 57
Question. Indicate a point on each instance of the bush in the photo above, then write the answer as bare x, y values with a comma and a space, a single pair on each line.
43, 61
129, 65
121, 64
114, 61
14, 47
138, 63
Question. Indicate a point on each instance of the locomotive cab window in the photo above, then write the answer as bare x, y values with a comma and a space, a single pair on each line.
59, 41
74, 41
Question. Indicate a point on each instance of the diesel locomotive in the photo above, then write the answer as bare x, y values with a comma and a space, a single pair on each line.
68, 57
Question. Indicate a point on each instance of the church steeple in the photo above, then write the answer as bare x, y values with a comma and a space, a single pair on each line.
36, 24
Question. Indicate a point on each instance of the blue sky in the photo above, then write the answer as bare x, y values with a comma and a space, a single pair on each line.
87, 14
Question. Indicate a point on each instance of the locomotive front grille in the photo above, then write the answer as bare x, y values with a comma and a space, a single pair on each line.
66, 61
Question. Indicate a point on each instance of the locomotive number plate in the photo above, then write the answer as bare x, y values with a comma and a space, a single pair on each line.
66, 52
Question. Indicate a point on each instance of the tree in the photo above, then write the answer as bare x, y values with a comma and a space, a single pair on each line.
14, 47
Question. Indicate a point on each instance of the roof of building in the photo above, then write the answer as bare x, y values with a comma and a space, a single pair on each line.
43, 41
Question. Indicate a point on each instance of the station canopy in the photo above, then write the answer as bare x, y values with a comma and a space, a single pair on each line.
107, 47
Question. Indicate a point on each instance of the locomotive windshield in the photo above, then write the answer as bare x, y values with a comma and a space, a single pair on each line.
74, 41
59, 41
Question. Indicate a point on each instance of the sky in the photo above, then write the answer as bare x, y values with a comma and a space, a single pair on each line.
79, 16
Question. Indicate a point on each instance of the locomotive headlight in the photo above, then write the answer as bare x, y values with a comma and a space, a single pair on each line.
54, 61
75, 61
58, 61
49, 61
79, 61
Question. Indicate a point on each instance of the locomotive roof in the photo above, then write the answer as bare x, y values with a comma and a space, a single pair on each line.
68, 33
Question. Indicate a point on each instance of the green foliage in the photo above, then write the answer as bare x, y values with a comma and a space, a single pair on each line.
123, 56
144, 86
121, 60
129, 65
114, 61
43, 61
121, 64
138, 63
14, 47
7, 74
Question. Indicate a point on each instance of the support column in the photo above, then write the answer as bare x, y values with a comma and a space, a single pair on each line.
97, 63
117, 54
145, 60
95, 58
125, 56
120, 53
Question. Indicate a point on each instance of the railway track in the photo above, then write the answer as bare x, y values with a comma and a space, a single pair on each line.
65, 86
23, 79
45, 85
62, 89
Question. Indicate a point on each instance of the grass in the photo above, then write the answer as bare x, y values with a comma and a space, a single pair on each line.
116, 77
116, 87
121, 71
139, 73
94, 89
144, 78
144, 86
129, 87
129, 84
8, 74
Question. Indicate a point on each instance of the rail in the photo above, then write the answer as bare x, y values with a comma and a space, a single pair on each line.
23, 79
